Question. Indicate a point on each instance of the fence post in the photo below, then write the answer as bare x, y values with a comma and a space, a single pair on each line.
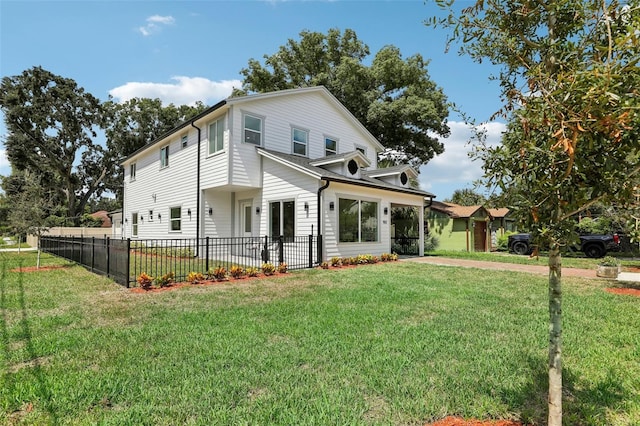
280, 249
93, 250
206, 262
310, 251
108, 257
319, 249
128, 260
265, 249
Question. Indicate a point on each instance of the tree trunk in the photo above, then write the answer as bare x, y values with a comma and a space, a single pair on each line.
555, 336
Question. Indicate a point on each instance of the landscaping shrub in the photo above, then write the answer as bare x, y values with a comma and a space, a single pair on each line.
165, 280
237, 271
218, 273
268, 268
431, 242
144, 281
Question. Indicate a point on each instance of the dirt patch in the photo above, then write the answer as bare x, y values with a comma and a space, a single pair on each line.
457, 421
174, 286
36, 269
624, 291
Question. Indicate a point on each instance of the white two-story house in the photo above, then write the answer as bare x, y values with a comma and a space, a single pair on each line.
291, 163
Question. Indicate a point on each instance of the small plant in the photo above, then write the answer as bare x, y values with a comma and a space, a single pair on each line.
394, 256
144, 281
195, 277
385, 257
346, 261
218, 273
252, 272
165, 280
283, 268
324, 265
336, 262
236, 271
268, 268
361, 259
609, 261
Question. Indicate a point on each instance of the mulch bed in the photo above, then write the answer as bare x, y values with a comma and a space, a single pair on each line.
624, 291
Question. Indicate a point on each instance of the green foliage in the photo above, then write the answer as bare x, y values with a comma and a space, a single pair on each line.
195, 277
336, 262
503, 241
268, 268
252, 272
237, 271
51, 130
431, 242
609, 261
466, 197
165, 280
393, 97
218, 273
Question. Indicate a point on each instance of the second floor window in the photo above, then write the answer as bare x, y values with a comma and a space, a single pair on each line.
252, 129
216, 136
132, 172
300, 138
164, 156
330, 146
185, 140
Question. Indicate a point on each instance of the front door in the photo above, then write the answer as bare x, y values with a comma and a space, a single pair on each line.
245, 218
480, 236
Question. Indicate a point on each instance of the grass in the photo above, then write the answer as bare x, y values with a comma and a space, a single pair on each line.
568, 260
392, 343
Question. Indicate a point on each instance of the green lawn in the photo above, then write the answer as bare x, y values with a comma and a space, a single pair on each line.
391, 343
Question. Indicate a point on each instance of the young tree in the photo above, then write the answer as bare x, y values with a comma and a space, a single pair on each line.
51, 122
393, 97
569, 79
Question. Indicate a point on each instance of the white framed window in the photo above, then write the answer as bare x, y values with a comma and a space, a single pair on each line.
330, 146
175, 219
300, 140
252, 129
362, 149
132, 172
282, 219
357, 221
164, 157
134, 224
184, 141
216, 136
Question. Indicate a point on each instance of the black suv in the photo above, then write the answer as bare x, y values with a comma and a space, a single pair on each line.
593, 246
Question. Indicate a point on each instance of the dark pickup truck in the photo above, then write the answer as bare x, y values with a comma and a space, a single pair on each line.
593, 246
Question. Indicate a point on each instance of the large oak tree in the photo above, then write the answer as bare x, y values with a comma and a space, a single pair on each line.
569, 78
393, 97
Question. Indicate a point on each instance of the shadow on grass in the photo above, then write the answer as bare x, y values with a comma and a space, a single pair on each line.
582, 403
23, 334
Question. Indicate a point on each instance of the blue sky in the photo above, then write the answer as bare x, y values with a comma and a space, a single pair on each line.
183, 51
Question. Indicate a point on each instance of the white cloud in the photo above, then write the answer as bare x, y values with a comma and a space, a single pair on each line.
155, 24
454, 168
184, 90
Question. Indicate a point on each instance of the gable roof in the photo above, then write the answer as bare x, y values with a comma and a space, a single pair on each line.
304, 165
498, 213
260, 96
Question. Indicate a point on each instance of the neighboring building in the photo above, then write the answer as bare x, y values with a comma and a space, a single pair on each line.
458, 227
501, 223
291, 163
103, 216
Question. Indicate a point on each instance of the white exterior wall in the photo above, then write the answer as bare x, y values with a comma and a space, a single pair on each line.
285, 184
332, 247
173, 186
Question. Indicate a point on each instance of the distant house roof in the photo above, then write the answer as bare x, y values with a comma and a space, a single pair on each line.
498, 213
455, 211
102, 214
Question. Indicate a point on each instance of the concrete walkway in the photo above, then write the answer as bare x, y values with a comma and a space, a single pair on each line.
532, 269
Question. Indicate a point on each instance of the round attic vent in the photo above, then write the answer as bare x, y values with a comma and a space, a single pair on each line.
352, 166
403, 178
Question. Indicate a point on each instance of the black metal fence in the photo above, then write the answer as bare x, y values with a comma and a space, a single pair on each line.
125, 260
406, 246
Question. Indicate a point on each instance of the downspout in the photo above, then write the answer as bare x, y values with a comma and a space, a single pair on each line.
322, 188
198, 192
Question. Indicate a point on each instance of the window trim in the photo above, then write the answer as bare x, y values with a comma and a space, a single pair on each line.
326, 137
361, 148
150, 215
164, 158
134, 224
132, 172
172, 219
244, 128
216, 121
360, 200
282, 202
184, 140
304, 131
